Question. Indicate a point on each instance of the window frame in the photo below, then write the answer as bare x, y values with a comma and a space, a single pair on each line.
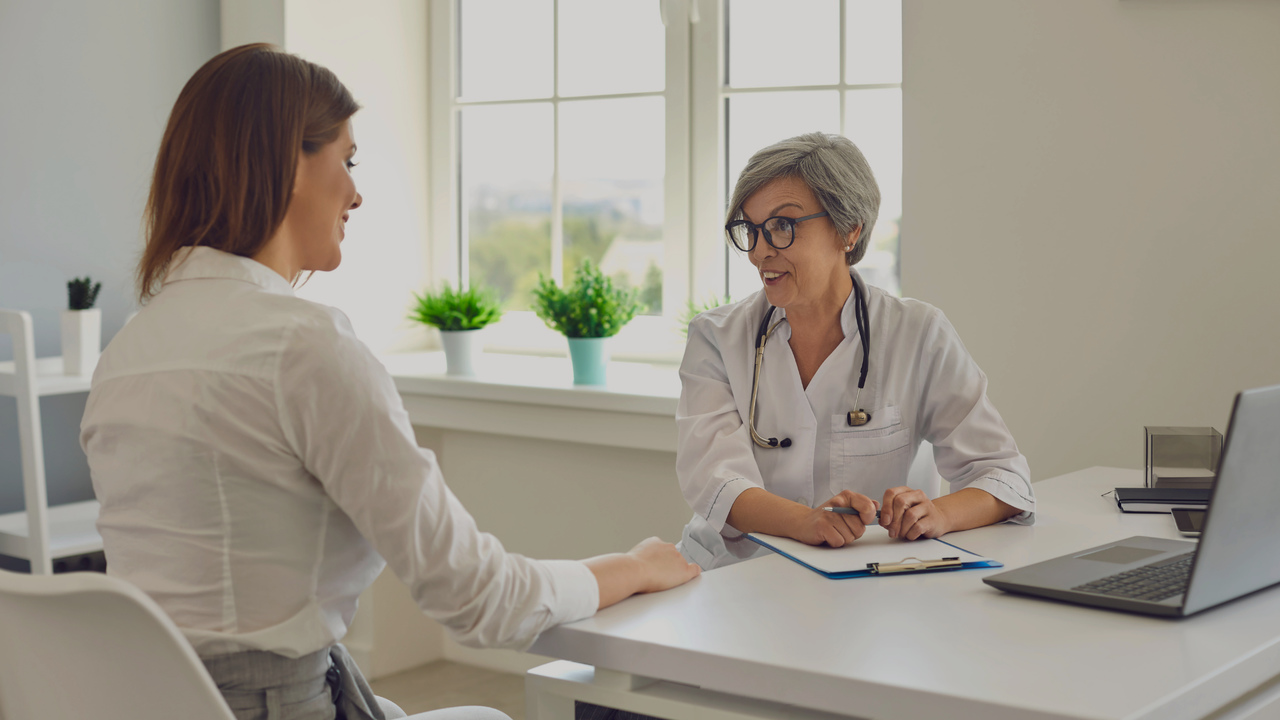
447, 245
696, 255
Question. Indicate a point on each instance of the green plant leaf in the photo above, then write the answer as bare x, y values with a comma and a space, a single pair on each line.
590, 306
450, 309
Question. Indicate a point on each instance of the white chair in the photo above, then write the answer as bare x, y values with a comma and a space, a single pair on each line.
84, 645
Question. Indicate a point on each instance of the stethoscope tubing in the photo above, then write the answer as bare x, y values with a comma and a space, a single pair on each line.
861, 316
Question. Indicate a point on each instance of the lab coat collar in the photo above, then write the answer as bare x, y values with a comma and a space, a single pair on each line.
848, 320
193, 263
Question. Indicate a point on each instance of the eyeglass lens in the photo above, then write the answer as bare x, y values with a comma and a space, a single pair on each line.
778, 232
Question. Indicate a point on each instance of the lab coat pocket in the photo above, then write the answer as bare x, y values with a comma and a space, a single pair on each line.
872, 458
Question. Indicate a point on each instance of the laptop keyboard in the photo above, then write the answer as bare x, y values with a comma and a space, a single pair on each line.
1149, 582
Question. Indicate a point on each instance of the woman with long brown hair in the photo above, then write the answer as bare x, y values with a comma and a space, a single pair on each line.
253, 459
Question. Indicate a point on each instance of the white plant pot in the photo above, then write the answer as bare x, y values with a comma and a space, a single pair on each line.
81, 340
460, 350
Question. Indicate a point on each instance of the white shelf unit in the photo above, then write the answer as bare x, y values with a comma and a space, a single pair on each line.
39, 533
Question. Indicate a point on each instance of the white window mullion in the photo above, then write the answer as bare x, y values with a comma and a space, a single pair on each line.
444, 254
557, 192
707, 152
678, 229
844, 27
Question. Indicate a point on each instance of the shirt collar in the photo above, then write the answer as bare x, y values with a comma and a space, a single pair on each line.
196, 263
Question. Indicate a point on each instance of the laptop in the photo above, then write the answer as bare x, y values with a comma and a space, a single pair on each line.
1239, 548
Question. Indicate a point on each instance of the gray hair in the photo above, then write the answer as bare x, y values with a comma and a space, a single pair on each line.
833, 168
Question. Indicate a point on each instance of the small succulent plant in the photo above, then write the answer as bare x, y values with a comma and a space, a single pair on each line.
82, 293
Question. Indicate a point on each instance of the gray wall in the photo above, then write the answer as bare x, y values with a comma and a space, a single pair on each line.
1091, 196
85, 89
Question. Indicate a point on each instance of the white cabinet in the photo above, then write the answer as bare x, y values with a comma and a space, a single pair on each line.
40, 533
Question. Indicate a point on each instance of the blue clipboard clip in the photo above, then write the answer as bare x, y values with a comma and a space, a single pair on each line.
912, 564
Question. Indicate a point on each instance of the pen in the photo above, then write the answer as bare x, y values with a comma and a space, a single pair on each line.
847, 511
907, 566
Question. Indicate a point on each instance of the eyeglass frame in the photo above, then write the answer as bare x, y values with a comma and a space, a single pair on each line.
757, 229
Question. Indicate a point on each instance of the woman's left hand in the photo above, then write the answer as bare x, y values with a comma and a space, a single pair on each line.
909, 513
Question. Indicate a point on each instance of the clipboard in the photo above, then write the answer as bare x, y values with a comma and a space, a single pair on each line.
875, 554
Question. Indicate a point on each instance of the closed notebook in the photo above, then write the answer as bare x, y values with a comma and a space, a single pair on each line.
1160, 500
875, 546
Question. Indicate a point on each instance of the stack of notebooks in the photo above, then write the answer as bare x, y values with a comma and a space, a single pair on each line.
1161, 499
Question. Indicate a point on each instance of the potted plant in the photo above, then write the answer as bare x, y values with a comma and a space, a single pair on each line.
81, 327
587, 312
459, 315
694, 309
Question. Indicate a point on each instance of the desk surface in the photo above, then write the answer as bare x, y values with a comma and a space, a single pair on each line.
946, 644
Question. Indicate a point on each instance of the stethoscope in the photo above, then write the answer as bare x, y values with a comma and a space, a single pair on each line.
855, 418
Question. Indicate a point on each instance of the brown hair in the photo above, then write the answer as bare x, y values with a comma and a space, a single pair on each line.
225, 171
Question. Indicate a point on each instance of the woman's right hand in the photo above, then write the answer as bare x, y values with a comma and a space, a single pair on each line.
815, 526
650, 566
662, 565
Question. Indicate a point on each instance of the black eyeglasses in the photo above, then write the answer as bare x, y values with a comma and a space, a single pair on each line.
743, 233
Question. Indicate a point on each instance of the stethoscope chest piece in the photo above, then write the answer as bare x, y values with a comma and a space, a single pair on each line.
858, 418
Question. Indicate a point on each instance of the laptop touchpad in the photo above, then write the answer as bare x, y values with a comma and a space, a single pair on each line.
1120, 554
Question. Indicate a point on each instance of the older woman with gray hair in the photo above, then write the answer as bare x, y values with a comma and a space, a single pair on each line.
815, 393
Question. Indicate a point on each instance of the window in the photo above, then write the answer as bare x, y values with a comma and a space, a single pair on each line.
822, 65
618, 134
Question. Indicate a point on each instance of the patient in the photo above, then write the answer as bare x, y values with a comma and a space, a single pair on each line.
255, 464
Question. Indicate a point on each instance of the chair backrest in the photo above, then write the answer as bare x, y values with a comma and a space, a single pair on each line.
84, 645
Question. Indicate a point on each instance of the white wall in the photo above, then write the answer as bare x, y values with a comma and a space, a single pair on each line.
1092, 195
379, 51
85, 91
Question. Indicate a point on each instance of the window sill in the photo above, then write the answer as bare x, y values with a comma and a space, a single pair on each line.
534, 397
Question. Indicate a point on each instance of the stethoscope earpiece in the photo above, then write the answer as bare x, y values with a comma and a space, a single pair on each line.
856, 418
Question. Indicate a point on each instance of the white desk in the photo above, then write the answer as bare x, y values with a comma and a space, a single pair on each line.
769, 638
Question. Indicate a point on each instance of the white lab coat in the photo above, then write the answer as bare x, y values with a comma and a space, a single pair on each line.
922, 385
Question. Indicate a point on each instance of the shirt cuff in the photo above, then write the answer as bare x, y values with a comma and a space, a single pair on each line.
1010, 489
718, 517
577, 594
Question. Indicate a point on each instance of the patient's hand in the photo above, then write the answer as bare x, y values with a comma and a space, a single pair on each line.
650, 566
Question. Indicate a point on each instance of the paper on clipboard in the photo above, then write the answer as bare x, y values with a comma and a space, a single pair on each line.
875, 546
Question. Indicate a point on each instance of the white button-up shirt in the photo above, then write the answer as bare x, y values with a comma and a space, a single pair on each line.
921, 385
255, 464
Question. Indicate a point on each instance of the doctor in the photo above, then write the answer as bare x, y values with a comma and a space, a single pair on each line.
850, 381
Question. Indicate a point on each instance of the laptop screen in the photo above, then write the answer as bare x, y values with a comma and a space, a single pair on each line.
1240, 545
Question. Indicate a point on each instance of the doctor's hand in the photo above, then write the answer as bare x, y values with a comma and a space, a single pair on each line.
817, 526
650, 566
910, 514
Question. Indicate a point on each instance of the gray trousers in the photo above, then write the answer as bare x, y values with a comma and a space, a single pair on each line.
325, 685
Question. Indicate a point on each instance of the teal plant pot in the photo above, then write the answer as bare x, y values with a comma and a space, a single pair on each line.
590, 358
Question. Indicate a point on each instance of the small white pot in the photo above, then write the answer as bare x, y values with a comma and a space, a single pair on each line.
460, 350
81, 341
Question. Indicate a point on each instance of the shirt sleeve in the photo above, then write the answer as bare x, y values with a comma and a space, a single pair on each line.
345, 420
971, 444
714, 459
